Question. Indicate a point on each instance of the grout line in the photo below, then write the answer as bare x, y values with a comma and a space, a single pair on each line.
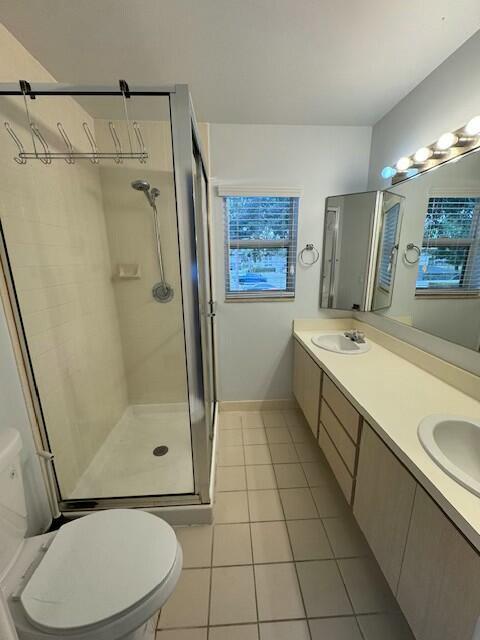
211, 579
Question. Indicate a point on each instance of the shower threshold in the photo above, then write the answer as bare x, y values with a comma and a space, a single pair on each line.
125, 464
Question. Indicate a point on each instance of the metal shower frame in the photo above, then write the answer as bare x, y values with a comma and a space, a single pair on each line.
185, 139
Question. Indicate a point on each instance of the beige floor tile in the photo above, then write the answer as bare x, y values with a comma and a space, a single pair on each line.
254, 436
182, 634
241, 632
231, 479
294, 418
301, 435
233, 596
279, 435
317, 473
231, 507
290, 475
322, 589
230, 420
330, 501
309, 452
230, 456
260, 477
278, 595
289, 630
366, 586
196, 543
252, 420
274, 419
192, 588
270, 542
309, 540
297, 503
265, 505
231, 438
231, 545
336, 629
282, 453
257, 454
345, 537
380, 627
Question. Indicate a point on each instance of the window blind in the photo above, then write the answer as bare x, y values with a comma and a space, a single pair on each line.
260, 245
450, 256
388, 244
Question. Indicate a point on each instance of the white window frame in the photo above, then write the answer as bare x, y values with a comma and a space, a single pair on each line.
225, 191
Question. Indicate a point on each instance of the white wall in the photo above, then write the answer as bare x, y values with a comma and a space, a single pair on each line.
445, 100
254, 338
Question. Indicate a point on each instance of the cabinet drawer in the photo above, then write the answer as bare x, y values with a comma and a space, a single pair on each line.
340, 471
345, 412
345, 447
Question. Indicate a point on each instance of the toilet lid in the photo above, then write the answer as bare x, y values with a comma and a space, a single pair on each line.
97, 567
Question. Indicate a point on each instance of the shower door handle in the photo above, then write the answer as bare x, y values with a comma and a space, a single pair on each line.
212, 313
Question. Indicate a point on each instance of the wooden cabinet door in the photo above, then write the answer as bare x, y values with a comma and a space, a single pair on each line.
298, 373
439, 588
312, 387
383, 503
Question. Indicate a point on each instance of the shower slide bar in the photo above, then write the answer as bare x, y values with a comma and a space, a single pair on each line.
42, 152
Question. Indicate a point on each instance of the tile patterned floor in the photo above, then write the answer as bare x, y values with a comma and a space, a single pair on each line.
284, 559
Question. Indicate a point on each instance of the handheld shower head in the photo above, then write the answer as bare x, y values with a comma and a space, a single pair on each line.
150, 194
141, 185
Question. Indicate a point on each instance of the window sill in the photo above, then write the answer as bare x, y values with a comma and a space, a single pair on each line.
262, 299
446, 294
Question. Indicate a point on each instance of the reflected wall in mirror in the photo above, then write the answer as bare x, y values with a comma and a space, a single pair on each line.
347, 245
437, 280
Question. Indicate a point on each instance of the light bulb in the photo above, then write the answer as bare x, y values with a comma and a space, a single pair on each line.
446, 141
404, 163
423, 154
388, 172
473, 127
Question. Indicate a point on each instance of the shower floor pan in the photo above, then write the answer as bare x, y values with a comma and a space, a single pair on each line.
125, 465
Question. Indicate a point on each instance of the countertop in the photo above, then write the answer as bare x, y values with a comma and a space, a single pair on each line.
394, 395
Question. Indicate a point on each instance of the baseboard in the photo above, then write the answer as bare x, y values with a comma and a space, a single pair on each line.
257, 405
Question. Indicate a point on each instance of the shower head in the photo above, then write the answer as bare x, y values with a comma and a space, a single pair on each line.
150, 194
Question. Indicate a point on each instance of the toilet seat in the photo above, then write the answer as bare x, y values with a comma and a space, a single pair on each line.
97, 568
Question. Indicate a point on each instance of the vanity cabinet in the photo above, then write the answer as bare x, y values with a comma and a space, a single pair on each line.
307, 381
383, 504
439, 588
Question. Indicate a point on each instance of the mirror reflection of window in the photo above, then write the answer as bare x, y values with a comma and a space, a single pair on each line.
450, 257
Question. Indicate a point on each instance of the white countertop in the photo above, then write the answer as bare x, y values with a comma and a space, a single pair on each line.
393, 395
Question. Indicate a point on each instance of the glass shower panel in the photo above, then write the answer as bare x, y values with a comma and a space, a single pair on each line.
86, 251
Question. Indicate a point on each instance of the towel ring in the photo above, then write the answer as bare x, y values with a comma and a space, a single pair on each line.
412, 247
315, 255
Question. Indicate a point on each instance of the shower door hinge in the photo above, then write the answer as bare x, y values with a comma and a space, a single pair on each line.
213, 309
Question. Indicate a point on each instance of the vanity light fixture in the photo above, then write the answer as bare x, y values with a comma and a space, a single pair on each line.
403, 164
449, 147
473, 127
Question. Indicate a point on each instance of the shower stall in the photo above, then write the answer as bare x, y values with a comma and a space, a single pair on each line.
105, 250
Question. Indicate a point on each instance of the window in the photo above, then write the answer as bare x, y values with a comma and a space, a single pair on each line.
388, 247
450, 258
260, 245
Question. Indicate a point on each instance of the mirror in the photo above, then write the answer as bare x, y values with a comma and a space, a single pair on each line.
347, 248
436, 285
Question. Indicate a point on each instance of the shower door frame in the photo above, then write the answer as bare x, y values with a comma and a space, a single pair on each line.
184, 135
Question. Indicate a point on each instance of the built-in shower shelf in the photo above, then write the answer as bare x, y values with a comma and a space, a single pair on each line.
129, 271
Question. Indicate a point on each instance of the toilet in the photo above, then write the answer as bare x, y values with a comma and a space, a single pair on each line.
101, 577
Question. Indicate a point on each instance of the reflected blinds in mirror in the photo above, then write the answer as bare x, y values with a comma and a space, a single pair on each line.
388, 247
450, 257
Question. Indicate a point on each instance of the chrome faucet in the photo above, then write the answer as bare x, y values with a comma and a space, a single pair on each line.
355, 336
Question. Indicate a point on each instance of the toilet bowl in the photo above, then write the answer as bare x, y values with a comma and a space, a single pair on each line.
101, 577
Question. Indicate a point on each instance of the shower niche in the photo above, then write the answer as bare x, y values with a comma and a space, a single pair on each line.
101, 232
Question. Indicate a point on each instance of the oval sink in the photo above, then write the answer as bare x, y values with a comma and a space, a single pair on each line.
339, 343
454, 444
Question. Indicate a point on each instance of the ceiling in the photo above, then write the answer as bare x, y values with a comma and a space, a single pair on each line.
342, 62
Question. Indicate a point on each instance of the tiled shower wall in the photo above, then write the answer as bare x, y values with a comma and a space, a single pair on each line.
54, 224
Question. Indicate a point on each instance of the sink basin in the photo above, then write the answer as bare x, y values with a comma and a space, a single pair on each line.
454, 444
338, 343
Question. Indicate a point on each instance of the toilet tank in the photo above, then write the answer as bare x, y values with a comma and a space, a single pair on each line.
13, 511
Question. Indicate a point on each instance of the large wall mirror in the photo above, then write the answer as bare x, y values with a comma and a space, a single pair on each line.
436, 284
